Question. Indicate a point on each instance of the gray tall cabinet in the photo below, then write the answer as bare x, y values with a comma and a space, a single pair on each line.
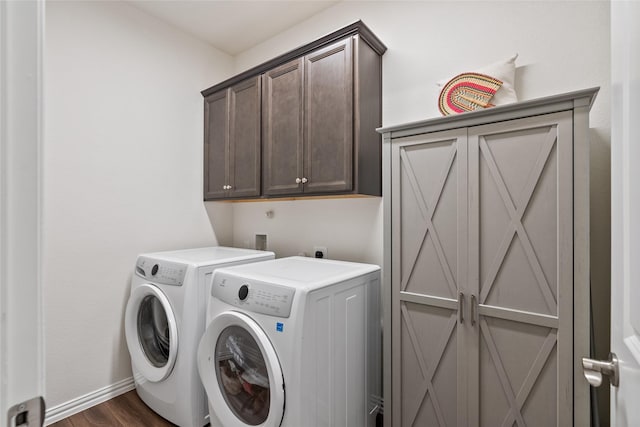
487, 266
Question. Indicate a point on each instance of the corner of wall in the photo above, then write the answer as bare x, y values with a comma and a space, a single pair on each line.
221, 217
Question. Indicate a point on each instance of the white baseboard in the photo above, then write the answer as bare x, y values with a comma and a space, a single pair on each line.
81, 403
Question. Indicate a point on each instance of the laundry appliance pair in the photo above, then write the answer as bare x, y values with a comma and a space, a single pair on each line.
293, 342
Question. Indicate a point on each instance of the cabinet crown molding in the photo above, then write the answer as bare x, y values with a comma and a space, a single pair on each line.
548, 104
357, 27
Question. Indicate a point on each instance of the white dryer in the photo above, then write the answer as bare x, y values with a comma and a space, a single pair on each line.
164, 320
293, 342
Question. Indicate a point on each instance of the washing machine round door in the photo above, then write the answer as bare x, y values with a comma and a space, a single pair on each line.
152, 332
241, 372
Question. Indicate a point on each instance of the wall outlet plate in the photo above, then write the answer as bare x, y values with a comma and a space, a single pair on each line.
261, 242
319, 252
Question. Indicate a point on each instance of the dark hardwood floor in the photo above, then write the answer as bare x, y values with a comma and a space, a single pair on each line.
126, 410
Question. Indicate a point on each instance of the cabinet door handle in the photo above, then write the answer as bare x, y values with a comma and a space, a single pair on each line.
224, 187
298, 180
474, 309
305, 180
229, 187
460, 307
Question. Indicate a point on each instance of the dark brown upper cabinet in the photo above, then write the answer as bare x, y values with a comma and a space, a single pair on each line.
328, 142
232, 141
307, 123
320, 107
283, 129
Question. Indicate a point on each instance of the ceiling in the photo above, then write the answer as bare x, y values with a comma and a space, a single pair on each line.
232, 26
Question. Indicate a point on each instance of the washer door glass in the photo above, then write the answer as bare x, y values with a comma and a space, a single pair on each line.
153, 331
242, 375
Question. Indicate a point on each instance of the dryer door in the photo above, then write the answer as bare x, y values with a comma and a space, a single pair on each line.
152, 332
241, 372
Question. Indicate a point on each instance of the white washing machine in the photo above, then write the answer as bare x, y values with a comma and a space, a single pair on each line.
164, 320
293, 342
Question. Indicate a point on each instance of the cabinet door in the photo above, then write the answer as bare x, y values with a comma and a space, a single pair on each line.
328, 145
282, 107
429, 271
521, 272
244, 138
216, 144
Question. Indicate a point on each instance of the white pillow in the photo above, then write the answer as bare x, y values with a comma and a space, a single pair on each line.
502, 70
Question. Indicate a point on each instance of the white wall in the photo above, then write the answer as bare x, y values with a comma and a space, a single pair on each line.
563, 46
122, 175
350, 229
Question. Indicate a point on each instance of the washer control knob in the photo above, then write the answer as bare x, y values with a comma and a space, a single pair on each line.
243, 292
154, 269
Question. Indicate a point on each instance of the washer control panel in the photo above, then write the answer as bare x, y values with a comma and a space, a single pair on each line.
161, 272
258, 297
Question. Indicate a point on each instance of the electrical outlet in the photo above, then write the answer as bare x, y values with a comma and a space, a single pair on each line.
320, 251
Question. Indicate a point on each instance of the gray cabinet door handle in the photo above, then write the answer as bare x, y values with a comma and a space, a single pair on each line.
474, 309
460, 307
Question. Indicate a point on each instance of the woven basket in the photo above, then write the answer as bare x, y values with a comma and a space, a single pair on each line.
467, 92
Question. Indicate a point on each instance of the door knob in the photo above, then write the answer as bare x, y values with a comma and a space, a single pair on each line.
595, 369
305, 180
298, 180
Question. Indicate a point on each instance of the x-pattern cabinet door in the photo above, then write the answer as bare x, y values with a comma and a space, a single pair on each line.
521, 272
429, 247
482, 275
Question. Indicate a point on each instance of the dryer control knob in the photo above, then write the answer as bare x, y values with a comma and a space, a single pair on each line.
243, 292
154, 269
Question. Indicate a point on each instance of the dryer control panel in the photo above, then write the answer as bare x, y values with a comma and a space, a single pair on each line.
161, 272
258, 297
